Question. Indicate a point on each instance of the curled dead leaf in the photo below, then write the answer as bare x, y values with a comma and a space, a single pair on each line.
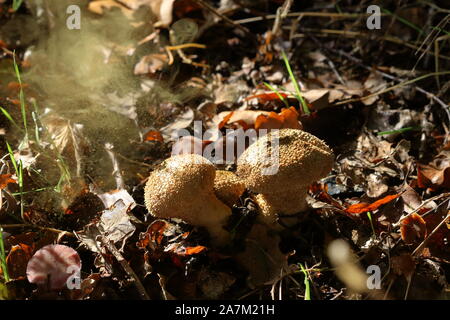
413, 228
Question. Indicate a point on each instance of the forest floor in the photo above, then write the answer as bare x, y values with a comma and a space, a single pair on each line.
91, 96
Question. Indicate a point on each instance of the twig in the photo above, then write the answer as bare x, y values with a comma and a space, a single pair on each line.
332, 15
386, 75
347, 33
23, 225
281, 14
401, 84
116, 169
220, 15
112, 248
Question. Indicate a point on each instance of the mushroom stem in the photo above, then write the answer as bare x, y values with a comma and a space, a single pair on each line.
286, 202
213, 215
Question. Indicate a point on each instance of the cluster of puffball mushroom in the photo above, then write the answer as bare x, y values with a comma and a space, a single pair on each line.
189, 187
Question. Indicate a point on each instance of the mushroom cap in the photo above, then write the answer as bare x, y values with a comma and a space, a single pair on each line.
228, 187
302, 159
173, 189
52, 262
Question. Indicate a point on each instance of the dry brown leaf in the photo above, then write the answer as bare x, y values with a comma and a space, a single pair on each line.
403, 265
150, 64
17, 260
435, 175
413, 228
99, 6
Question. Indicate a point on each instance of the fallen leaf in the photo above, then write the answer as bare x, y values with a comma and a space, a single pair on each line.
247, 119
403, 265
286, 119
413, 228
114, 225
435, 175
99, 7
171, 132
52, 266
151, 64
17, 260
267, 97
366, 207
153, 136
6, 179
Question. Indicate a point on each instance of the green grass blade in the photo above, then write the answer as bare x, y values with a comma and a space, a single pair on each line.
3, 257
306, 282
297, 87
16, 4
369, 215
8, 116
13, 159
21, 97
277, 93
406, 129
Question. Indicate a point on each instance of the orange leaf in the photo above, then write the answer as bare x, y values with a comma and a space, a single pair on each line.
194, 250
265, 97
290, 118
287, 118
17, 260
413, 228
225, 120
366, 207
5, 179
153, 136
272, 121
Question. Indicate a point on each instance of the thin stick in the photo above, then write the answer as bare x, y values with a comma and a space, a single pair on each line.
220, 15
386, 75
112, 248
23, 225
401, 84
332, 15
347, 33
424, 242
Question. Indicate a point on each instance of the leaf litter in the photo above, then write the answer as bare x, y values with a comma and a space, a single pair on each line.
85, 134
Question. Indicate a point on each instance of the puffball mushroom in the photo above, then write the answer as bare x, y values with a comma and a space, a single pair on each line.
302, 159
52, 266
183, 187
228, 187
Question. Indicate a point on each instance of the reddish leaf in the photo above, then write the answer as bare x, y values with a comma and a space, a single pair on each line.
366, 207
413, 228
265, 97
5, 179
194, 250
17, 260
225, 120
153, 136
